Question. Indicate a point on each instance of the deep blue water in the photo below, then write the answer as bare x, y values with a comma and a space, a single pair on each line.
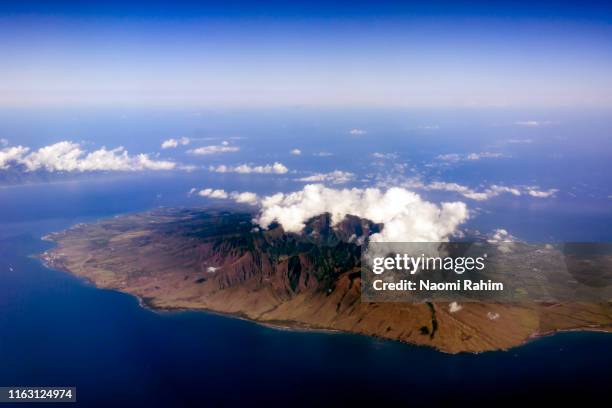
58, 330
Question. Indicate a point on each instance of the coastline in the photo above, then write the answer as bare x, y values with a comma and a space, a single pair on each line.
286, 325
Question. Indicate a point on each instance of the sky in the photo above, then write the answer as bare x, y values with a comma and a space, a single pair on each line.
313, 54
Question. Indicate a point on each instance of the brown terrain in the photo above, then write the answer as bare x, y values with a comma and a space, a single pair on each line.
219, 261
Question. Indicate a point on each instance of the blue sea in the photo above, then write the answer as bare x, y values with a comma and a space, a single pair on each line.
57, 330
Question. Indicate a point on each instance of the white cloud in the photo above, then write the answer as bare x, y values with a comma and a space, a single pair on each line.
214, 149
493, 191
504, 240
490, 192
68, 156
501, 235
173, 143
141, 162
334, 177
323, 154
187, 167
295, 152
245, 197
534, 192
276, 168
454, 307
456, 188
386, 156
4, 142
455, 157
483, 194
429, 127
169, 144
192, 191
209, 192
10, 155
450, 157
405, 215
358, 132
519, 141
483, 155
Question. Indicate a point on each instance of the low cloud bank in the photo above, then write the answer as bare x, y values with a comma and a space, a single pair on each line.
492, 191
68, 156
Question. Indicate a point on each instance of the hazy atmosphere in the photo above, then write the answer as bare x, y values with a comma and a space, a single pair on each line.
187, 190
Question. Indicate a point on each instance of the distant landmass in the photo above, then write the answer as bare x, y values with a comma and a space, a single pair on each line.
221, 261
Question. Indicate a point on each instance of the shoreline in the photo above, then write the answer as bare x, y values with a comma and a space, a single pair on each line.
282, 325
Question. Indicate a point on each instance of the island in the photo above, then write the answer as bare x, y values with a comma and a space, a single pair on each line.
221, 261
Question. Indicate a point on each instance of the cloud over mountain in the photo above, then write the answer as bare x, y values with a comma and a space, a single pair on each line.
405, 215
